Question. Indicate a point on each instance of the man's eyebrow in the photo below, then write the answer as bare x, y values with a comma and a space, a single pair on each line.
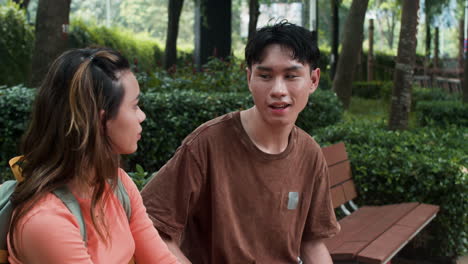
293, 68
263, 68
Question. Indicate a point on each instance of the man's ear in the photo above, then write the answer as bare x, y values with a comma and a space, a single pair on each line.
248, 71
315, 78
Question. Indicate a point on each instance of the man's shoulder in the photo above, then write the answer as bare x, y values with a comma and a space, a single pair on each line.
306, 140
213, 129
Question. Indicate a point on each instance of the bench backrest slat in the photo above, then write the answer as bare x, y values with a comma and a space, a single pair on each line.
342, 185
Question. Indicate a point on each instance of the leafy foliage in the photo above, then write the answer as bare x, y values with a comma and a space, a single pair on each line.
171, 116
425, 165
16, 43
372, 90
15, 109
442, 113
140, 50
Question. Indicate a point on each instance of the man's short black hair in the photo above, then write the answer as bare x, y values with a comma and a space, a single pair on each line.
298, 39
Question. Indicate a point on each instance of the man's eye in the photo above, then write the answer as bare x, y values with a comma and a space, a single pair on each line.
290, 76
264, 76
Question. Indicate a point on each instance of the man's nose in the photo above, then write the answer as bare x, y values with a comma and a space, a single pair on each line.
279, 88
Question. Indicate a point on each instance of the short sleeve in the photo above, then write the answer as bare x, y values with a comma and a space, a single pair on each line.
321, 220
173, 193
51, 235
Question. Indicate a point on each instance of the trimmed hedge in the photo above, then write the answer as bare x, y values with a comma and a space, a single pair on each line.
442, 113
217, 75
426, 165
432, 94
372, 90
171, 116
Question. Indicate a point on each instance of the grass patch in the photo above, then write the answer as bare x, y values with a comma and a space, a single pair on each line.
370, 109
377, 110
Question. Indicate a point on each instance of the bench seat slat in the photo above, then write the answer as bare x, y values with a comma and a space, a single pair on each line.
366, 225
390, 216
372, 234
381, 249
390, 242
420, 216
350, 227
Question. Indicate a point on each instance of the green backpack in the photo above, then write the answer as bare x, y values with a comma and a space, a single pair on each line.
6, 208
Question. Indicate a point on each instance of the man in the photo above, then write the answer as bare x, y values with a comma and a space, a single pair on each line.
250, 186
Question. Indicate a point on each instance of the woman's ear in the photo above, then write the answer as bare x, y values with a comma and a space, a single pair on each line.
102, 118
101, 115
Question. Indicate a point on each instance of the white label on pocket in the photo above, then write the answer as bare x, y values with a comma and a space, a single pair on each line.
293, 200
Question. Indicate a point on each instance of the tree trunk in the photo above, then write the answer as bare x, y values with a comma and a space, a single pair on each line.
465, 71
461, 44
170, 53
305, 13
428, 49
370, 53
465, 82
22, 3
51, 36
254, 13
352, 44
436, 48
335, 23
212, 30
392, 31
403, 78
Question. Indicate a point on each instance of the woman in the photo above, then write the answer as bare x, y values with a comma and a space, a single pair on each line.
85, 115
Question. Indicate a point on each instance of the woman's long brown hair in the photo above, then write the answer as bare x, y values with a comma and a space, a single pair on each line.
66, 140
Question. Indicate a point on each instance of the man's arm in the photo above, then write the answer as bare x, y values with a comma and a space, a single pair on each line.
315, 252
175, 249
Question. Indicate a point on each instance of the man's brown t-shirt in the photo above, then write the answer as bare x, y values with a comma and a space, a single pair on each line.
226, 201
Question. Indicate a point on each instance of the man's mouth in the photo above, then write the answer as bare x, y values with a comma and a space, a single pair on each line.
279, 105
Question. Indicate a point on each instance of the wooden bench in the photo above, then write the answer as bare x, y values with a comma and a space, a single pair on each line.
370, 234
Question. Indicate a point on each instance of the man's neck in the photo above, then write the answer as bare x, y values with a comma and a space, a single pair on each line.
269, 139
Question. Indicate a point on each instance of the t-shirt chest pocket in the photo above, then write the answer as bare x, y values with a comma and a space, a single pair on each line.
293, 208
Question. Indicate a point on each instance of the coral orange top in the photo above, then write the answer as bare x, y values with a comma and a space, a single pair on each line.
49, 233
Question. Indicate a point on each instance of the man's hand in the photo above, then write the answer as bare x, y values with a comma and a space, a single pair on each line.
315, 252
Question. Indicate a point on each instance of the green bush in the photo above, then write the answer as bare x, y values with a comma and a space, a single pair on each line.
15, 109
442, 113
425, 165
141, 51
435, 94
372, 90
216, 76
16, 43
171, 116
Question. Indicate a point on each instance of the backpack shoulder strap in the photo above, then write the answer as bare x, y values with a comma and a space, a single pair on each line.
64, 194
123, 197
6, 210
